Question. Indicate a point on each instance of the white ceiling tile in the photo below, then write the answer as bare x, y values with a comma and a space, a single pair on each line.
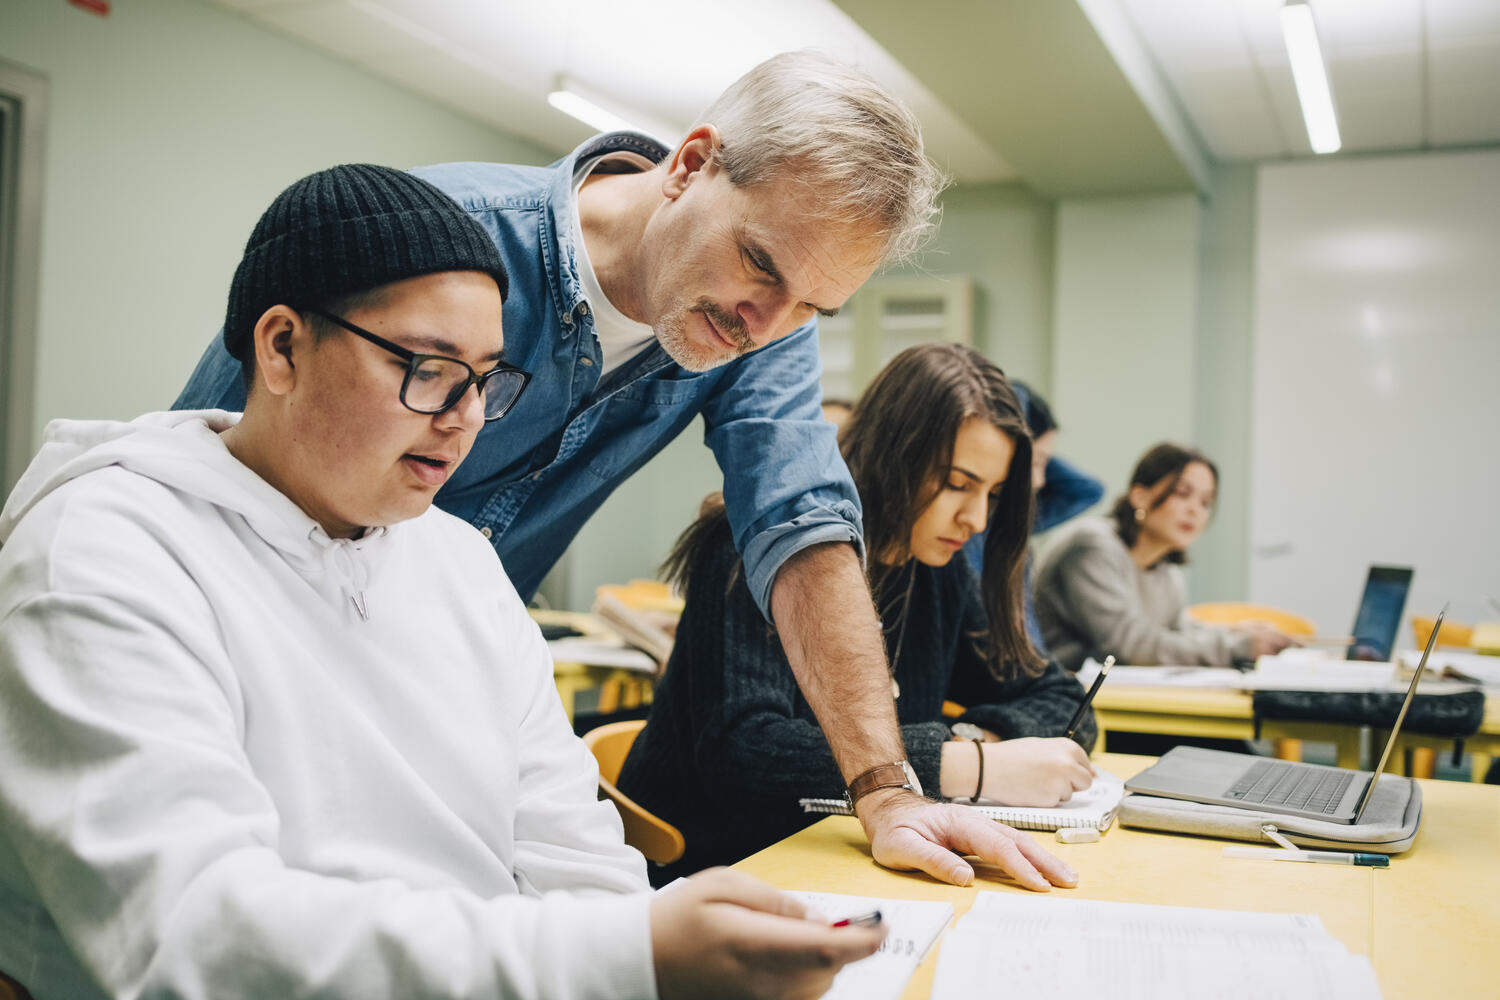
1261, 21
1346, 26
472, 90
1464, 69
340, 28
1465, 92
1187, 36
1459, 20
1392, 121
1363, 78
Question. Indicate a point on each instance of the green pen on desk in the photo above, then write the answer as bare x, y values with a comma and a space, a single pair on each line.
1316, 857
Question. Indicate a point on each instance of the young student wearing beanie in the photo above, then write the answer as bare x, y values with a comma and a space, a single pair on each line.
272, 725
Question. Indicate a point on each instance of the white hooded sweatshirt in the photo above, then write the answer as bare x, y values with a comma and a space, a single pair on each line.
240, 759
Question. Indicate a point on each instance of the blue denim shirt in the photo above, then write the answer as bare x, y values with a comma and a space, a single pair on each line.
534, 477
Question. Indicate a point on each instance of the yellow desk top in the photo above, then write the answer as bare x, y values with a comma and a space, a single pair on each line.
1428, 922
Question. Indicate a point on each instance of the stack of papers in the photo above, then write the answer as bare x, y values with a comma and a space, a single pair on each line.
1474, 667
1041, 946
593, 651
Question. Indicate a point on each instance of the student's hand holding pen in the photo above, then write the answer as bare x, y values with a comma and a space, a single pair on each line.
725, 934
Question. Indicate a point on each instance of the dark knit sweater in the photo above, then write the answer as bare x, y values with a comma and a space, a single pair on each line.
731, 744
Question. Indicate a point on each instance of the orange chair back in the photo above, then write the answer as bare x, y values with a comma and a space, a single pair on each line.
654, 837
1451, 634
1239, 612
12, 990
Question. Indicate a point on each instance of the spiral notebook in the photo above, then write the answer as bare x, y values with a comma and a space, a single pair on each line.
912, 926
1094, 807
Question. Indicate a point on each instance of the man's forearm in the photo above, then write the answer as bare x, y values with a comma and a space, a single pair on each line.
832, 639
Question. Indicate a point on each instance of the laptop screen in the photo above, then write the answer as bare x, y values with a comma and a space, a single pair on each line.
1379, 616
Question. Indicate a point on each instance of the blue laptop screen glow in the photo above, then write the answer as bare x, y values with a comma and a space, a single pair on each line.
1379, 616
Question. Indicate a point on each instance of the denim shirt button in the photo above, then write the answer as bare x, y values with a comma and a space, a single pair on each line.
486, 532
587, 362
583, 308
534, 476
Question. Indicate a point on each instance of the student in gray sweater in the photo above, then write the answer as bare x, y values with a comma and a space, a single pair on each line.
1114, 586
938, 449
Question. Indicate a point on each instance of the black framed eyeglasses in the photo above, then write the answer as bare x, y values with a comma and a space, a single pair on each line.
435, 384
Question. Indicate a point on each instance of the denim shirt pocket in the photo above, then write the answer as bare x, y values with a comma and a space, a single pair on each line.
640, 419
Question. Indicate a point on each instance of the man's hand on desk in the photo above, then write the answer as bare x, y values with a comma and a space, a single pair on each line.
724, 934
908, 832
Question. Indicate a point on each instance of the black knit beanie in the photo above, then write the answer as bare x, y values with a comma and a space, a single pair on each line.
345, 230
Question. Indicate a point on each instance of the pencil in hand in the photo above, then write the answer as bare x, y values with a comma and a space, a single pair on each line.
1083, 708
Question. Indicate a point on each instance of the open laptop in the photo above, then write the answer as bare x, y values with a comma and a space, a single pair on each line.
1331, 794
1379, 616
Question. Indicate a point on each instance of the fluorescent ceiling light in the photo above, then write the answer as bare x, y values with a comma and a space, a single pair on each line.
571, 99
1311, 77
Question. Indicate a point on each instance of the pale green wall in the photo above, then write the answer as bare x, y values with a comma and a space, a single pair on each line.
1002, 236
172, 125
1225, 330
1123, 361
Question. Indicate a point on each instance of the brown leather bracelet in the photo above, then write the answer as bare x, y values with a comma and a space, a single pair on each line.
978, 785
896, 775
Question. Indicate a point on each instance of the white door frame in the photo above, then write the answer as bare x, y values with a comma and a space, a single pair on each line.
24, 92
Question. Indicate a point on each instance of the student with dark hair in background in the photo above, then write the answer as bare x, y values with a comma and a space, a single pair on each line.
1063, 491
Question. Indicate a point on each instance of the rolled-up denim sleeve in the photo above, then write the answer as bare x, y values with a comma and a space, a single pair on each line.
785, 484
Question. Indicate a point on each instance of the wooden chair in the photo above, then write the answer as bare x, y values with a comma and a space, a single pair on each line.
657, 839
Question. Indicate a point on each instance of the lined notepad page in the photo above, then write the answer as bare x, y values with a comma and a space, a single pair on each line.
1073, 948
1093, 807
911, 928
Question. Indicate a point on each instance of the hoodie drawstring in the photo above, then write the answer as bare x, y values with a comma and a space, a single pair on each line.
342, 564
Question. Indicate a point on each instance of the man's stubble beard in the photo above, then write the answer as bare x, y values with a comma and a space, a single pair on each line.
671, 332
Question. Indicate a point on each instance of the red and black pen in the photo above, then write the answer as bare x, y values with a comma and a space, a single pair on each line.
871, 919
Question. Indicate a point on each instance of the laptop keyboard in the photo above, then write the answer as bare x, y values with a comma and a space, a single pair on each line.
1295, 786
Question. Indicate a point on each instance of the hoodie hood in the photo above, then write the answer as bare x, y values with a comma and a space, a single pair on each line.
182, 450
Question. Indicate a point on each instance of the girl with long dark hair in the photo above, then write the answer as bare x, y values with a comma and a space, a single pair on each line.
938, 450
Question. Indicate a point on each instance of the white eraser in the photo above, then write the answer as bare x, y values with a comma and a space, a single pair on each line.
1078, 835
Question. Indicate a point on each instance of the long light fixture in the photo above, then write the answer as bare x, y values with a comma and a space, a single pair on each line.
1310, 75
571, 99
